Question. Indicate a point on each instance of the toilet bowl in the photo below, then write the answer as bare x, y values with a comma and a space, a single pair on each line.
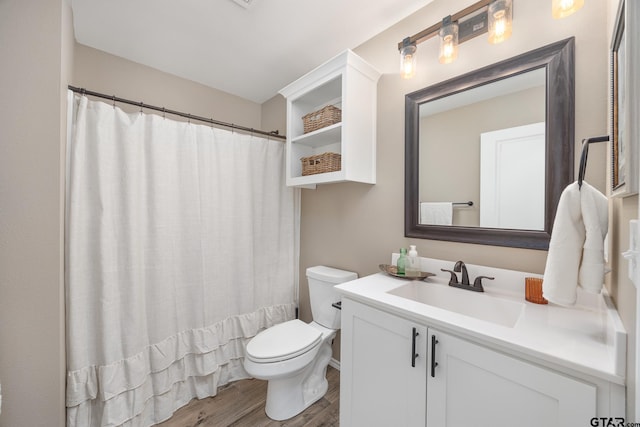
293, 356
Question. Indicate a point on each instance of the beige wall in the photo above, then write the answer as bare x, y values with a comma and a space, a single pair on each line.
356, 227
274, 115
36, 52
350, 226
101, 72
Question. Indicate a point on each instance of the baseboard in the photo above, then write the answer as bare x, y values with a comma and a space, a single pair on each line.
334, 363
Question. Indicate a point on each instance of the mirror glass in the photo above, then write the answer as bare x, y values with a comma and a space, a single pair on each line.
488, 153
494, 137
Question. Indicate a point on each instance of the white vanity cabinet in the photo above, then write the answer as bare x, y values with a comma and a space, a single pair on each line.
473, 385
455, 382
384, 358
350, 84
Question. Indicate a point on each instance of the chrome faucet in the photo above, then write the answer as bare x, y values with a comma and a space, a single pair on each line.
459, 267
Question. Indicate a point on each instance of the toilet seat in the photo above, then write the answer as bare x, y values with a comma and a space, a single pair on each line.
283, 341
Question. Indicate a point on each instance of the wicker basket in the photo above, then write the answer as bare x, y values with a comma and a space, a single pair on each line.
533, 290
320, 163
322, 118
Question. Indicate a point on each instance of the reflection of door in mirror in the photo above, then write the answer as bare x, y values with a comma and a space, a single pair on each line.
512, 178
449, 135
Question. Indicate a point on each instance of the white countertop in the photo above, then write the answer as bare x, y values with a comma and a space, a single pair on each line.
587, 338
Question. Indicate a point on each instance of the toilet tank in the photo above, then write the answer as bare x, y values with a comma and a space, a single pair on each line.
322, 293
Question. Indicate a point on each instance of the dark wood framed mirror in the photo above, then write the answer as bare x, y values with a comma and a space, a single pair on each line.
554, 64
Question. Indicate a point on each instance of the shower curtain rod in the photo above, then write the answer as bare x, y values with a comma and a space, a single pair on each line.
83, 91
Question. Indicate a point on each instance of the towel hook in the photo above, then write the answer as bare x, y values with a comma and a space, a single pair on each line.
585, 154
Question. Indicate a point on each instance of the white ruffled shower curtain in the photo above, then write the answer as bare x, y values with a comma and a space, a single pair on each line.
181, 245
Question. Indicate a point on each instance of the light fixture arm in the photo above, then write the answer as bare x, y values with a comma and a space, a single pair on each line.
433, 30
406, 42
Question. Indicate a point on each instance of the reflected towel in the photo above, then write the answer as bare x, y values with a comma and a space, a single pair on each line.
576, 249
436, 213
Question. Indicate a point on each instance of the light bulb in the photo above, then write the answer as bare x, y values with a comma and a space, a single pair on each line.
500, 26
564, 8
408, 60
448, 41
408, 69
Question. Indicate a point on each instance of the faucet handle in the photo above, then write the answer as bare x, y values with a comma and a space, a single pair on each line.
478, 282
454, 276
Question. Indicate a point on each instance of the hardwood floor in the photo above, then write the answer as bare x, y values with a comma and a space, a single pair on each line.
241, 404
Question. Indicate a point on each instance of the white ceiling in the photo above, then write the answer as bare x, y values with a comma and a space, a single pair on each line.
251, 52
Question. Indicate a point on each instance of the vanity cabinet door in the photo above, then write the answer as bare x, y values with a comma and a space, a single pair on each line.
474, 386
383, 369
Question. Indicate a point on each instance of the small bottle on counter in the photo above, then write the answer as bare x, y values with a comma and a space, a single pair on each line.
412, 266
402, 261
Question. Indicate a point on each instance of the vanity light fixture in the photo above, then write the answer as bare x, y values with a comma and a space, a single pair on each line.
500, 20
458, 28
448, 41
407, 59
564, 8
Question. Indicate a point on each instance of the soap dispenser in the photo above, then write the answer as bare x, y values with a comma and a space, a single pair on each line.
412, 268
402, 261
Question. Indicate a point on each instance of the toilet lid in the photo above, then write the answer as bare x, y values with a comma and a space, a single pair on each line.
283, 341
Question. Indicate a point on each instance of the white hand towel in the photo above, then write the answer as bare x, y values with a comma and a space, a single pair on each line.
576, 250
565, 249
595, 215
436, 213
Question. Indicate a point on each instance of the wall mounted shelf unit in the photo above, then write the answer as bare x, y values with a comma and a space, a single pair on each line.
346, 82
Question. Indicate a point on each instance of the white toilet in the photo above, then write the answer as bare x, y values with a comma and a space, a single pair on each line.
293, 356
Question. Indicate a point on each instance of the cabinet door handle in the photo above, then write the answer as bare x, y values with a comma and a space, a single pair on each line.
434, 341
414, 355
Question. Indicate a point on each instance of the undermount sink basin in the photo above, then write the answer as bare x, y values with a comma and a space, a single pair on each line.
473, 304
